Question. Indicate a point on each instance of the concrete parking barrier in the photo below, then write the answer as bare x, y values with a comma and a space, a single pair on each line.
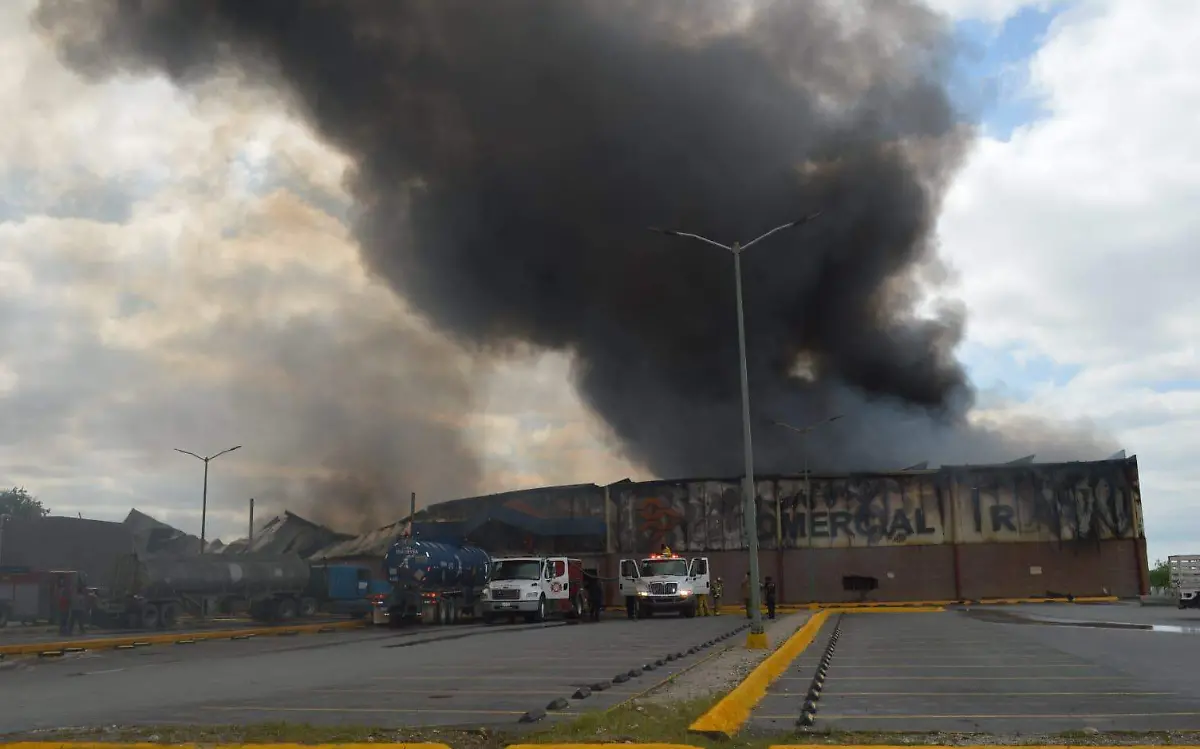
533, 716
729, 714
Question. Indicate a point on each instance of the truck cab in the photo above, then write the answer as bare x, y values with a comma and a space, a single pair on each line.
664, 582
1185, 580
533, 587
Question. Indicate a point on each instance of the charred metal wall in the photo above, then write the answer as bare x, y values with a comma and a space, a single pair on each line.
1063, 502
946, 534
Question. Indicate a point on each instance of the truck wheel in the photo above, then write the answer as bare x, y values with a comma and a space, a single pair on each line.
308, 607
150, 618
488, 620
540, 614
689, 611
168, 616
285, 609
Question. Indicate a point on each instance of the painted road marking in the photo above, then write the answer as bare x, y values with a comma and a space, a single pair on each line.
839, 667
507, 677
956, 693
112, 643
958, 678
996, 716
268, 709
448, 692
733, 710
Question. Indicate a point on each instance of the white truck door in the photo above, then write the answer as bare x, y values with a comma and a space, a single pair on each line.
629, 577
558, 579
699, 571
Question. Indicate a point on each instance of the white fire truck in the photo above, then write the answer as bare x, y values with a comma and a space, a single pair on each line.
663, 582
1185, 580
533, 587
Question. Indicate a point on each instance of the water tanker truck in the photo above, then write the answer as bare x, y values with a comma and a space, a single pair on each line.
434, 583
150, 592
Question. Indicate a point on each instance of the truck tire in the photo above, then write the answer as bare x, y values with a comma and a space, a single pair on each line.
149, 618
308, 607
168, 616
285, 609
540, 614
688, 611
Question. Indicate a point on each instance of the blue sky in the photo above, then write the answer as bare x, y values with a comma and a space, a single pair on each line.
992, 68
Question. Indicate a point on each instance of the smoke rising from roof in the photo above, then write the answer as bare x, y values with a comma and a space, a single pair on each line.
509, 157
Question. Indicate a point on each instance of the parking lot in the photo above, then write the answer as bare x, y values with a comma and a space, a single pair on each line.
470, 675
988, 670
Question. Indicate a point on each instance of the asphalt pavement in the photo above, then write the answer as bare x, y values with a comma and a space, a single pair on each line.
470, 675
1042, 668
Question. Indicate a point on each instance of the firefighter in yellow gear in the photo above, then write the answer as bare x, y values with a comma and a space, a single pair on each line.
702, 607
718, 587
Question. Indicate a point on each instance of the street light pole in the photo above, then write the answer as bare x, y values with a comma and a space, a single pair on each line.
803, 432
757, 637
204, 496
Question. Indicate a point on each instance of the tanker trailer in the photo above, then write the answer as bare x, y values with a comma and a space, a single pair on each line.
434, 583
149, 592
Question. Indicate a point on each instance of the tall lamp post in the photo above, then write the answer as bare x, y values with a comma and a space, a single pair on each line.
757, 638
804, 432
204, 499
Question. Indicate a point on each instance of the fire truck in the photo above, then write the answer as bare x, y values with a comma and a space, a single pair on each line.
664, 582
533, 587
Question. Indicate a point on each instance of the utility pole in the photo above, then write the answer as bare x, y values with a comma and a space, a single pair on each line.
757, 637
204, 495
803, 432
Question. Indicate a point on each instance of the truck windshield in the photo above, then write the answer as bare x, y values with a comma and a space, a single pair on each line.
517, 569
674, 567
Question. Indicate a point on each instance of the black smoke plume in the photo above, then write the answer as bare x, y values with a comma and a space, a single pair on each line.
510, 156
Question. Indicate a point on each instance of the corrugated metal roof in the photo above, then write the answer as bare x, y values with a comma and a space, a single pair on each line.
372, 544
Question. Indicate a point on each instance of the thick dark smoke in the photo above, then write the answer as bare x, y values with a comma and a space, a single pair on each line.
510, 156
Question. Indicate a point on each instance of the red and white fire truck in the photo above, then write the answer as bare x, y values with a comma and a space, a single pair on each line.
533, 587
664, 582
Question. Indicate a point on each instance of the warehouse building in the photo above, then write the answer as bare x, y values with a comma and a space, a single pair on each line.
951, 533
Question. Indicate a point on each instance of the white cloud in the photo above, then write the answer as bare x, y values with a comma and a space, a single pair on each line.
165, 285
1075, 239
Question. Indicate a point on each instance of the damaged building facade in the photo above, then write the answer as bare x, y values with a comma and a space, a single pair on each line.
952, 533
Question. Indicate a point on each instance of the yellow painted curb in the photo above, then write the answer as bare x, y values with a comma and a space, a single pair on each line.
984, 746
108, 643
728, 715
593, 746
108, 745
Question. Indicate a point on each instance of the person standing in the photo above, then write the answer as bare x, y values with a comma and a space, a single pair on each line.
79, 606
63, 605
769, 596
718, 588
595, 597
